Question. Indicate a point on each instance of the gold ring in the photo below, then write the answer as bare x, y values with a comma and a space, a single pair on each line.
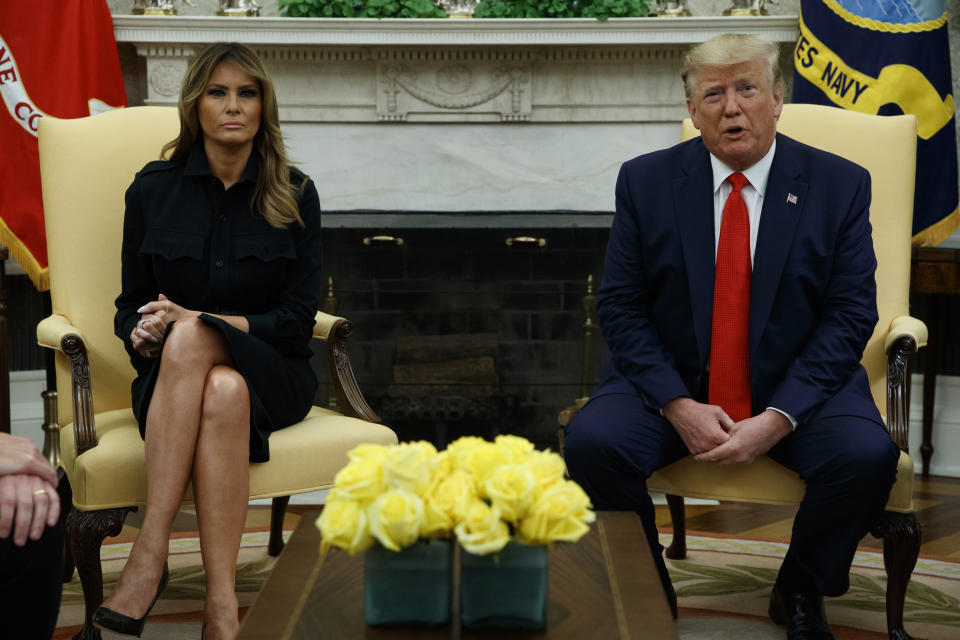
39, 491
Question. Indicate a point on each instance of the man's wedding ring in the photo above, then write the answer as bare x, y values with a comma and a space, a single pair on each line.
140, 324
39, 491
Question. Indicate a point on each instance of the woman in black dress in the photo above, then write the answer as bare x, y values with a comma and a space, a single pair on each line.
220, 284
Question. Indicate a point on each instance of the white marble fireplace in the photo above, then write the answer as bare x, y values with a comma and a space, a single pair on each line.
459, 116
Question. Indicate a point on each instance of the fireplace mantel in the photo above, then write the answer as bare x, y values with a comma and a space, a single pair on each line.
367, 32
534, 115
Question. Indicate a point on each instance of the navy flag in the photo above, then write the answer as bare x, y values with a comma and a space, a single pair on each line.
889, 57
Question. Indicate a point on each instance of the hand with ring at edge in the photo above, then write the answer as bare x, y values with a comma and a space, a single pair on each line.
28, 495
27, 505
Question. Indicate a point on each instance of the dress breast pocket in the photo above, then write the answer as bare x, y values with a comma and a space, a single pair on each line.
176, 257
263, 260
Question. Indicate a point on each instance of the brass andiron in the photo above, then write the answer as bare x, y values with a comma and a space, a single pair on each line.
51, 429
330, 307
590, 324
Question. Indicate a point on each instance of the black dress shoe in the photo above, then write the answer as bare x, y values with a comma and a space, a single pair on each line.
802, 613
106, 618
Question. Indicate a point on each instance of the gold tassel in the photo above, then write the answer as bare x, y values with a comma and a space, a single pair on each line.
939, 231
40, 276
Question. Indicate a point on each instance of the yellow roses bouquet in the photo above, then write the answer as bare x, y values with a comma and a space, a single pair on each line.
481, 492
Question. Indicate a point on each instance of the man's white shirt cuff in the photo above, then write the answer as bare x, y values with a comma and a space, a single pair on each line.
793, 421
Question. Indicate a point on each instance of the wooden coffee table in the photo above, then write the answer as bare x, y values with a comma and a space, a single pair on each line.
605, 586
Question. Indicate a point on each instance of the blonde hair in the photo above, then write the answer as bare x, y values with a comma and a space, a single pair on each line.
730, 49
273, 195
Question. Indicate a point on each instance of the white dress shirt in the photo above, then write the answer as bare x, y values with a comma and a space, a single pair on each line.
752, 194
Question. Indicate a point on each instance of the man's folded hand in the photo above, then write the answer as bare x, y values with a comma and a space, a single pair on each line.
750, 438
702, 427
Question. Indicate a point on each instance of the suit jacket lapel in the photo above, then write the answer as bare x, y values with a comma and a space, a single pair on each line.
783, 204
695, 225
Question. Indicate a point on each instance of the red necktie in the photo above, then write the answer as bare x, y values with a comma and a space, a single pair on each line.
729, 342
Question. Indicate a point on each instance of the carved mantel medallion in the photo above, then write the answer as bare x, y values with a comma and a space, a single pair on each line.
477, 88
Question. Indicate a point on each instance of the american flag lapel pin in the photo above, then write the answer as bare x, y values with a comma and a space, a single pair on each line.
791, 198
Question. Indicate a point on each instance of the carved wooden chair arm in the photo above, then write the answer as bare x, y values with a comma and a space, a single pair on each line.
56, 332
335, 331
907, 335
906, 326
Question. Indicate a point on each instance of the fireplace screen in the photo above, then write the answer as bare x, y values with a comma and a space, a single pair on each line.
466, 331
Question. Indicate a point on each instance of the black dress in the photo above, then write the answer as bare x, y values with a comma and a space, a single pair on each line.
202, 247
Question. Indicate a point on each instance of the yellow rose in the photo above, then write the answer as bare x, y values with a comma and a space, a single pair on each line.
547, 467
442, 466
516, 447
396, 518
562, 512
510, 488
362, 451
481, 461
446, 503
460, 449
360, 480
482, 531
408, 466
343, 523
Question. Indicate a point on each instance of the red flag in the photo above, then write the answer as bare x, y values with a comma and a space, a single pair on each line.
57, 58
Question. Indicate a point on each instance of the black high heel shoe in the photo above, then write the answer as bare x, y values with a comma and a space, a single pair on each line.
106, 618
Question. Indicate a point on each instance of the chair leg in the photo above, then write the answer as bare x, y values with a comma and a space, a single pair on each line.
277, 511
66, 506
678, 547
86, 531
901, 533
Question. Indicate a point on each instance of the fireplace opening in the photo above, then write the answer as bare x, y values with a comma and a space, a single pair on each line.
467, 331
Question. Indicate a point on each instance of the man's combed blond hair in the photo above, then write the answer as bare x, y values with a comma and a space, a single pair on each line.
730, 49
273, 195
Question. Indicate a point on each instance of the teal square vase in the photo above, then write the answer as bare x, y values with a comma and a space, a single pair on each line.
408, 588
506, 590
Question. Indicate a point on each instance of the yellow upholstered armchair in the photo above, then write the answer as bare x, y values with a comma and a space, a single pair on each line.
86, 166
886, 146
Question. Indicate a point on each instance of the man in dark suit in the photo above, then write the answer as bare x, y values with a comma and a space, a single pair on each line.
738, 295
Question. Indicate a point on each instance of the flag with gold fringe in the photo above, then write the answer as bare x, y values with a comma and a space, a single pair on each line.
889, 57
57, 58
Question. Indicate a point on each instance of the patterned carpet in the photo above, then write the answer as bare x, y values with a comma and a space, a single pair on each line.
735, 575
722, 586
181, 605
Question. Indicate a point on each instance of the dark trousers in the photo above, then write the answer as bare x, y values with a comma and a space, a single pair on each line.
849, 464
31, 581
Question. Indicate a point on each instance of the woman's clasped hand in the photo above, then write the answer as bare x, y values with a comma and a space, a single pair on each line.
152, 325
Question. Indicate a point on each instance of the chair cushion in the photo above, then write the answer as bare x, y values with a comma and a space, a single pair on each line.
765, 481
112, 474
